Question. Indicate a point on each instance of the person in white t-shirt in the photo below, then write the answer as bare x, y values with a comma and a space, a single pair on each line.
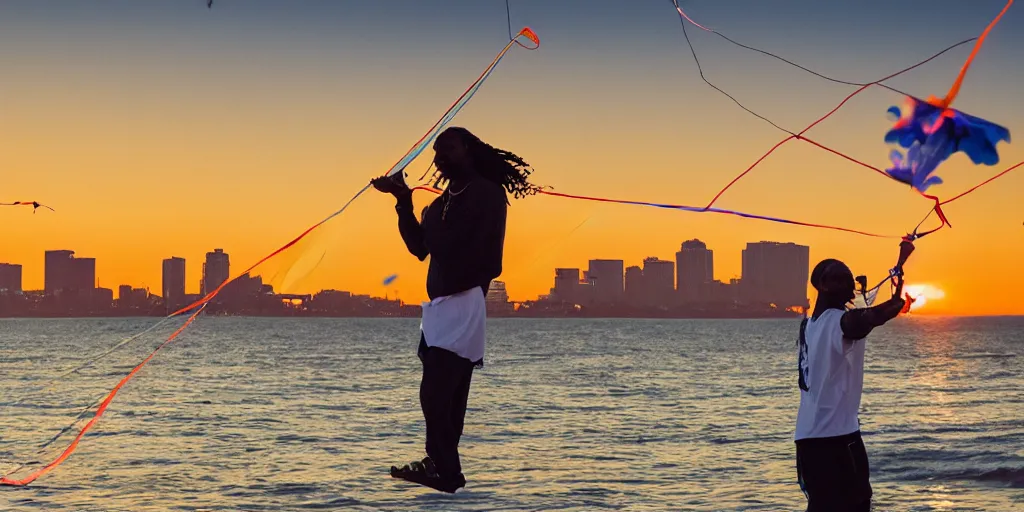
832, 463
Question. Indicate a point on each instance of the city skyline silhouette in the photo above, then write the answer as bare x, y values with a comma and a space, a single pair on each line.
776, 276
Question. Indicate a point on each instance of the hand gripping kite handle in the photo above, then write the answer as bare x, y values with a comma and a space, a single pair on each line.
906, 249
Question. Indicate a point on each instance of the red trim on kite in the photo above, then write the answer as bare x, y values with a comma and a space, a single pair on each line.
34, 204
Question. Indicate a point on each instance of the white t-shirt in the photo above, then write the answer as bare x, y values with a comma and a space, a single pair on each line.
457, 323
833, 371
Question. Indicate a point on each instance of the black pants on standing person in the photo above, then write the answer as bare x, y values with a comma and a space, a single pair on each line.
834, 473
444, 395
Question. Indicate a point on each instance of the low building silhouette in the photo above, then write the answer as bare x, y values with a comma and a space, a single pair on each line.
10, 278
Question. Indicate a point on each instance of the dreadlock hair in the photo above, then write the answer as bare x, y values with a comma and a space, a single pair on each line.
502, 167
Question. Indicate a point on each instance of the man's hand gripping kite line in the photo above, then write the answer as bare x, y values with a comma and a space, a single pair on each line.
197, 307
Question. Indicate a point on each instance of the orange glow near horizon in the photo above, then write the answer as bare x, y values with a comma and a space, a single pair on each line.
923, 294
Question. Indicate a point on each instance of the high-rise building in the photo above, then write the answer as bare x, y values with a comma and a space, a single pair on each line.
695, 270
83, 274
216, 270
567, 285
606, 277
56, 268
10, 278
659, 282
63, 272
173, 282
776, 273
636, 291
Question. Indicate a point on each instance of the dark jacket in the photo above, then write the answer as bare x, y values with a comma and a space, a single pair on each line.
465, 243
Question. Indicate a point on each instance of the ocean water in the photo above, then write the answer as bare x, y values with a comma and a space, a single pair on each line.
308, 414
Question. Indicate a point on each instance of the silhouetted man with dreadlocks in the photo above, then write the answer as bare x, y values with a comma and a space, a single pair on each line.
463, 232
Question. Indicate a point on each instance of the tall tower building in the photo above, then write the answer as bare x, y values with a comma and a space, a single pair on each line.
776, 273
659, 281
63, 272
216, 270
636, 289
567, 285
607, 278
56, 270
695, 270
173, 282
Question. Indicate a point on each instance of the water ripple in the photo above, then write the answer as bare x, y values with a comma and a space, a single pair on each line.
308, 414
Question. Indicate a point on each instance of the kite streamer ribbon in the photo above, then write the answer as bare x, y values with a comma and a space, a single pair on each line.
955, 89
200, 305
34, 204
99, 412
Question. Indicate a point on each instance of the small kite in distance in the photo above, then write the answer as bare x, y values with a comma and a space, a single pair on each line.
34, 204
390, 279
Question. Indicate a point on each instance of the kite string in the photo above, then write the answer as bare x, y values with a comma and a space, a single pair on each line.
687, 18
693, 209
979, 41
937, 207
700, 70
821, 119
982, 184
508, 19
801, 136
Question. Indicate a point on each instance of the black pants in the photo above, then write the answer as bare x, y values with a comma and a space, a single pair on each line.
444, 394
834, 474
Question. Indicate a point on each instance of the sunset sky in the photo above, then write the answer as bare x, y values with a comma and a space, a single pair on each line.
163, 128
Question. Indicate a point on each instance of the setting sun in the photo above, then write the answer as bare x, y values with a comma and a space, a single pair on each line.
922, 293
